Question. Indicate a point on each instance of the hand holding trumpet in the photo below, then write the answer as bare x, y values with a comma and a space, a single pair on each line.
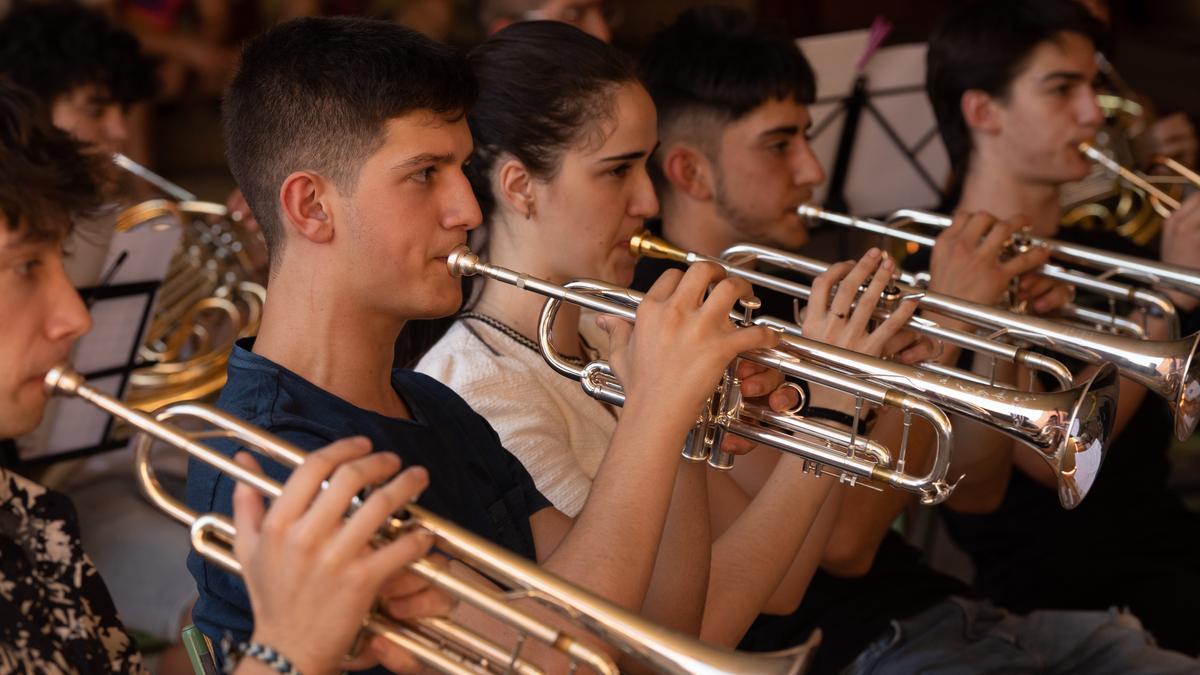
310, 574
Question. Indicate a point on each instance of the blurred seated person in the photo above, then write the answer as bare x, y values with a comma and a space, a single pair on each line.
594, 17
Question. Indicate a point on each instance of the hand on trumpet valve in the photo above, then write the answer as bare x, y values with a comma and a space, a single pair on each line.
683, 341
1038, 294
969, 262
307, 566
1181, 245
841, 314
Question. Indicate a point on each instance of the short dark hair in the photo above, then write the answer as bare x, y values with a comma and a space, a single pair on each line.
985, 45
544, 87
45, 179
315, 94
51, 48
719, 63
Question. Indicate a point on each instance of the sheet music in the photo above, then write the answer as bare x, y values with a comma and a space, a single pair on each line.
882, 178
148, 250
116, 327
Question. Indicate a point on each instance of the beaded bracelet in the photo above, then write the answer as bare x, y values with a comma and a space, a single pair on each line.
232, 654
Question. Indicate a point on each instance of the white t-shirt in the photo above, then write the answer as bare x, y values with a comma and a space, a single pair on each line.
547, 421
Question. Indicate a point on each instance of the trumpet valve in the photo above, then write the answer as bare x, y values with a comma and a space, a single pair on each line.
749, 306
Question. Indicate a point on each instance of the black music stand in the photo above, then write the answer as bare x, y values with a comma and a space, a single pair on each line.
105, 357
873, 127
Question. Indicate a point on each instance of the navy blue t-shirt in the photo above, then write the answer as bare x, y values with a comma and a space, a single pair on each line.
474, 481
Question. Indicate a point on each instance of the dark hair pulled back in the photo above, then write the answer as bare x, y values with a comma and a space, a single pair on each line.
544, 87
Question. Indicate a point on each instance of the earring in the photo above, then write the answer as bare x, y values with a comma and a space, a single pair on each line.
530, 212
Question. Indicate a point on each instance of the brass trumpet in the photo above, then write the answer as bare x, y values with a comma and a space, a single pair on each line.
1069, 429
437, 643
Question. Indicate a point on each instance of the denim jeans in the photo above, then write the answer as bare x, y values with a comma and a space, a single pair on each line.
969, 636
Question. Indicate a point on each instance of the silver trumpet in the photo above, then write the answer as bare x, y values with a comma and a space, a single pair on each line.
1166, 367
1105, 263
438, 643
1070, 429
727, 412
1110, 264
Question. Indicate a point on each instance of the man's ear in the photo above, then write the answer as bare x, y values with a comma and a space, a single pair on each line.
514, 187
979, 110
688, 171
306, 199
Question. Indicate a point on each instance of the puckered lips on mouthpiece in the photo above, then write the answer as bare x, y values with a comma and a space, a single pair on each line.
462, 262
62, 379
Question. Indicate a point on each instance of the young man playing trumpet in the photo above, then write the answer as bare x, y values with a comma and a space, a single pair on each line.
733, 166
1012, 85
55, 611
356, 176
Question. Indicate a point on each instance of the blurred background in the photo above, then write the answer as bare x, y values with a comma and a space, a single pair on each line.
197, 43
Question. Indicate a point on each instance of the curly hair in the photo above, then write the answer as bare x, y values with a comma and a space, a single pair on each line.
45, 179
51, 48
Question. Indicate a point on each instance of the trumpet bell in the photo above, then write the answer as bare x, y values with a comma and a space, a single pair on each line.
1087, 432
1186, 400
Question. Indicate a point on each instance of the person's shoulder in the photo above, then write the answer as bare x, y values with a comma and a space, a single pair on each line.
469, 362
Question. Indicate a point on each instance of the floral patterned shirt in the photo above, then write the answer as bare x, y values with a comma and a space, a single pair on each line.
56, 615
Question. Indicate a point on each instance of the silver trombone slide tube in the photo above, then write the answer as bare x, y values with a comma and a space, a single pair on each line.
660, 648
170, 189
1183, 279
1166, 367
598, 380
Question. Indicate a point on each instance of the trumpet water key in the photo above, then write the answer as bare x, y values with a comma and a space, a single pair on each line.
438, 643
1070, 429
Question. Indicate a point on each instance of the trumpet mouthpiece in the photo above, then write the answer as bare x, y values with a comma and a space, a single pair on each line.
61, 379
462, 262
645, 244
808, 211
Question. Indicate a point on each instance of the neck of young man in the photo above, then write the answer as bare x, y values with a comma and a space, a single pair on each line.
520, 309
694, 225
993, 186
343, 348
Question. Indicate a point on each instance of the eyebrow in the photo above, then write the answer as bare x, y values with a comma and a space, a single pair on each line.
636, 154
1069, 75
424, 158
785, 130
